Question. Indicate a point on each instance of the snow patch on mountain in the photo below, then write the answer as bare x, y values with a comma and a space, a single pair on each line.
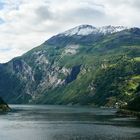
111, 29
84, 30
80, 30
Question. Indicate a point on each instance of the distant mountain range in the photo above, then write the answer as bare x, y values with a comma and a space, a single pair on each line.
85, 65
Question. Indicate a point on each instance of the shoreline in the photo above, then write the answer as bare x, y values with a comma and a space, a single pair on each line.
130, 113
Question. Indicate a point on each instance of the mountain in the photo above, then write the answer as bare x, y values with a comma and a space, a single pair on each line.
83, 34
85, 65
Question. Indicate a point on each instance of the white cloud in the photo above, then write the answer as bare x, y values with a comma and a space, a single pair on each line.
29, 23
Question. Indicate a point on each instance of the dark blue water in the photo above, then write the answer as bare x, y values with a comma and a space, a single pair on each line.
66, 123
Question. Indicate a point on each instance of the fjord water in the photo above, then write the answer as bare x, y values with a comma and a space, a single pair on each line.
44, 122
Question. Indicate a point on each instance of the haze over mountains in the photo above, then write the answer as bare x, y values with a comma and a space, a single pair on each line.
85, 65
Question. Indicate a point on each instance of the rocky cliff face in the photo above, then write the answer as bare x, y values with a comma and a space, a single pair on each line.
34, 75
73, 68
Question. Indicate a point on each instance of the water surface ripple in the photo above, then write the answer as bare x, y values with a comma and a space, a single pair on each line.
45, 122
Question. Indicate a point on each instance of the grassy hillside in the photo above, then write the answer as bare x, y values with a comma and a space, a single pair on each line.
110, 73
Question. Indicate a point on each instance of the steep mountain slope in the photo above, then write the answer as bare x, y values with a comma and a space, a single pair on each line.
84, 65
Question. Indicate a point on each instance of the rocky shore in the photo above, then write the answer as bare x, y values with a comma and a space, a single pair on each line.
126, 112
3, 106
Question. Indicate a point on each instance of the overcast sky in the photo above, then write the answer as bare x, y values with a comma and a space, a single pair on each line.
25, 24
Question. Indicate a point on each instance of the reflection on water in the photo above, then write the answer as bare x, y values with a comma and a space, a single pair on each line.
66, 123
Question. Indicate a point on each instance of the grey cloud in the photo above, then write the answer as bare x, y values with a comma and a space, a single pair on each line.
136, 3
130, 3
43, 13
88, 13
82, 14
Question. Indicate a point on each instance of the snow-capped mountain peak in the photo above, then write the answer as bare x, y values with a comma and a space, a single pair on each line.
84, 30
80, 30
111, 29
